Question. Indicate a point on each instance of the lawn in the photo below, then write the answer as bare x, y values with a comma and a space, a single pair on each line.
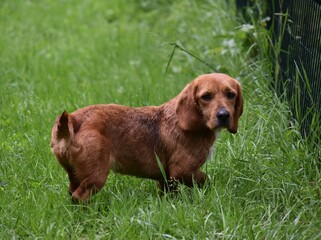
264, 182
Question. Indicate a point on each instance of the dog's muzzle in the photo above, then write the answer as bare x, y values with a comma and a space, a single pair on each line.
223, 117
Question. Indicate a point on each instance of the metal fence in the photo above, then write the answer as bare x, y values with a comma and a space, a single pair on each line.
296, 56
296, 26
297, 29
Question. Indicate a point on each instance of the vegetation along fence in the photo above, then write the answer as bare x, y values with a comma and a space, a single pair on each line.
296, 26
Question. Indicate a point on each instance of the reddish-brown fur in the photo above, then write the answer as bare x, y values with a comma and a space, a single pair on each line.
179, 133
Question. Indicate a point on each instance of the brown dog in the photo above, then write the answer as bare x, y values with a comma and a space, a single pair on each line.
134, 141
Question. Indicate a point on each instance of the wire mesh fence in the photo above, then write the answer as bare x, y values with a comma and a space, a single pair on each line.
296, 26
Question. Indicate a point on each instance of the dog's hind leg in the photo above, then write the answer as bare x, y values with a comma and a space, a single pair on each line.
92, 168
90, 185
73, 180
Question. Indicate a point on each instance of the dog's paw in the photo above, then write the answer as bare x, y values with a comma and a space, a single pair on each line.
172, 184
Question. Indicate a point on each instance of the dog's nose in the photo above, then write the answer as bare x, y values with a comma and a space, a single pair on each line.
223, 115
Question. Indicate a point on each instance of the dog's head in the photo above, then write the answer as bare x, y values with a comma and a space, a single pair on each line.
213, 101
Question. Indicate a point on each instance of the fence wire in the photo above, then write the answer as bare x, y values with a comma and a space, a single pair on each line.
297, 27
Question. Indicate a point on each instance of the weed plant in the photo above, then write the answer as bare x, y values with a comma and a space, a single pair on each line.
62, 55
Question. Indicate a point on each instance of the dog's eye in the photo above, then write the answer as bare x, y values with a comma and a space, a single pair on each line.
230, 95
207, 97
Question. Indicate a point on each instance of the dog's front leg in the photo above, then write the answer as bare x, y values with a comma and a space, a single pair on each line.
189, 177
169, 185
196, 177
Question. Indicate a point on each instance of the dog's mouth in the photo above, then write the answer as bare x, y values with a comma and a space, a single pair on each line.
218, 124
219, 121
223, 124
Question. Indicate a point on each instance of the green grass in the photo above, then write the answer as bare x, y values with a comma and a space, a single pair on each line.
57, 55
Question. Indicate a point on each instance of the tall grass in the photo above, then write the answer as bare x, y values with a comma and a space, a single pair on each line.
57, 55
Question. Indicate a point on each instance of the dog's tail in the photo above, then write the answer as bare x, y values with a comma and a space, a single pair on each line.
65, 128
62, 136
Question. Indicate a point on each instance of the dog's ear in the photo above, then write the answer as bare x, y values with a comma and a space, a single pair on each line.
238, 110
188, 113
